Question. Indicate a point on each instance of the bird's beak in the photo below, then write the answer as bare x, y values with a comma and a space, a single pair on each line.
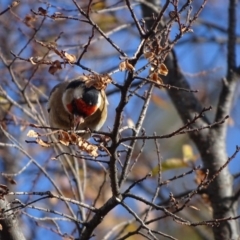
77, 121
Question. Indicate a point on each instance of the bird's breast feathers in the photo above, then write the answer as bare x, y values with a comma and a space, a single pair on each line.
81, 108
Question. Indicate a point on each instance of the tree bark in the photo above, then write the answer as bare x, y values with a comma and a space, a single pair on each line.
9, 223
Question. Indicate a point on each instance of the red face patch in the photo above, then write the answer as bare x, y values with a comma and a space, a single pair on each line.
80, 108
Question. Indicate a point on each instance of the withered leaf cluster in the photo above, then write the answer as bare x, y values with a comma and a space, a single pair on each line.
71, 138
67, 139
153, 52
69, 58
56, 65
99, 81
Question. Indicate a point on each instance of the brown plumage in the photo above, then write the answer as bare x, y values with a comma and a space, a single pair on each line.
71, 101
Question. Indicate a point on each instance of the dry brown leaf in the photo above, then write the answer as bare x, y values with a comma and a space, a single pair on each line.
56, 65
122, 66
125, 65
87, 147
52, 70
155, 77
73, 138
149, 55
70, 57
31, 133
42, 143
29, 19
64, 138
163, 70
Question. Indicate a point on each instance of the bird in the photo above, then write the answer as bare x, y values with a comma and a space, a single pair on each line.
74, 106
